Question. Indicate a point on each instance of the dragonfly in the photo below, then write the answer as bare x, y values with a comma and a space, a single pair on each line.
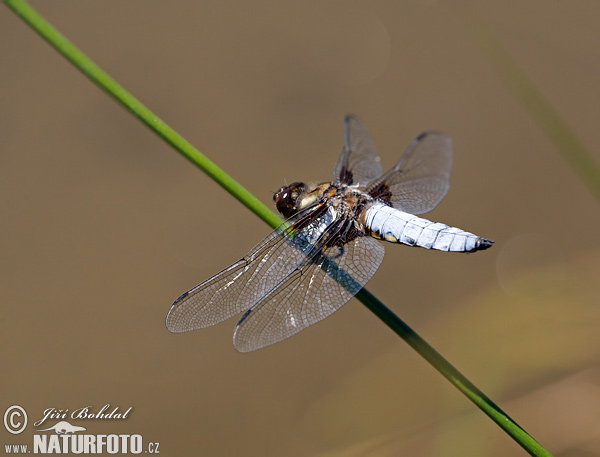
329, 246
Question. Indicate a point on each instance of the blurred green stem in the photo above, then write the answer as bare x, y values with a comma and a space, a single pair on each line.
92, 71
525, 90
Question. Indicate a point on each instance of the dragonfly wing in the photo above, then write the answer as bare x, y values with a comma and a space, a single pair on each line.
239, 286
313, 291
358, 163
420, 179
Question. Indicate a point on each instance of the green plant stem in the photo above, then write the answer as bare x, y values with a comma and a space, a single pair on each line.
455, 377
115, 90
92, 71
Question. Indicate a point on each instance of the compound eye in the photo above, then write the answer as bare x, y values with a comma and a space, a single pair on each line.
285, 199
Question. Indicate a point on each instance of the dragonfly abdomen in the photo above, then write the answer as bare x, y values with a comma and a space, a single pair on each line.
389, 224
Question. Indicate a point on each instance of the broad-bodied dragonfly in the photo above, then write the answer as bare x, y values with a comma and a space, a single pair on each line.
327, 248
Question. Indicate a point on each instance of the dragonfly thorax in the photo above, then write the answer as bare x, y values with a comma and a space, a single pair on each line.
339, 197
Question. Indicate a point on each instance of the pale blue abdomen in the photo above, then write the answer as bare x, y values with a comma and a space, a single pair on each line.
389, 224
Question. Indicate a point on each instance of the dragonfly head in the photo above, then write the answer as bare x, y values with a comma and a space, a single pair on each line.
287, 197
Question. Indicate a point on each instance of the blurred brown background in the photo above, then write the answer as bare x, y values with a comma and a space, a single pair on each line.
104, 225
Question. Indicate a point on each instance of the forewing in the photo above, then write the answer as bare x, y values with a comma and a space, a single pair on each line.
358, 162
420, 179
242, 284
313, 291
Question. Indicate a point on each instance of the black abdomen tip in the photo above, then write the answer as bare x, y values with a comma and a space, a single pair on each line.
483, 243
